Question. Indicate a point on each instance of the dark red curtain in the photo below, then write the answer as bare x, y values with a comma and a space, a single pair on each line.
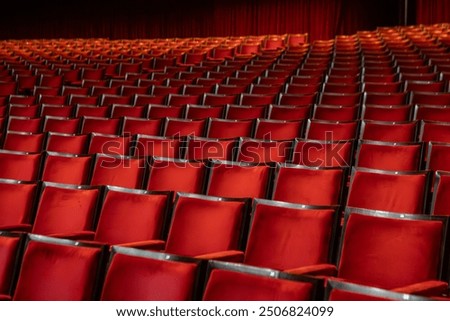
432, 11
322, 19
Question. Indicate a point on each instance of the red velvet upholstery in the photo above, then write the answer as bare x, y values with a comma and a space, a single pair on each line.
62, 125
262, 151
202, 225
226, 285
285, 236
289, 112
120, 171
277, 129
441, 194
316, 153
17, 200
387, 113
66, 168
306, 185
9, 248
432, 113
221, 128
109, 144
386, 99
24, 142
389, 156
435, 132
100, 125
331, 131
65, 209
54, 270
340, 99
131, 216
231, 179
163, 111
203, 112
157, 146
431, 98
388, 191
24, 124
145, 276
176, 175
139, 112
390, 252
132, 126
206, 148
67, 143
184, 127
336, 113
438, 156
389, 131
242, 112
19, 165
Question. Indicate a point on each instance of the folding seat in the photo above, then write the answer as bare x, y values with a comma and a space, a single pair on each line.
164, 90
258, 89
389, 156
300, 235
66, 210
207, 81
437, 157
302, 88
263, 151
67, 143
399, 132
395, 113
306, 79
100, 125
89, 110
159, 146
11, 244
55, 269
24, 124
55, 81
23, 166
277, 129
196, 89
296, 99
441, 193
116, 170
144, 99
178, 175
203, 112
134, 90
138, 275
389, 99
82, 100
217, 223
17, 205
345, 291
183, 100
210, 99
256, 99
24, 142
281, 112
238, 282
238, 179
330, 131
242, 112
432, 113
392, 191
340, 99
66, 168
93, 74
8, 88
131, 67
112, 99
317, 153
109, 144
176, 127
61, 125
198, 148
127, 110
430, 98
163, 111
308, 185
412, 264
74, 90
383, 87
434, 132
23, 110
341, 88
56, 110
26, 83
271, 81
425, 86
143, 126
336, 113
377, 77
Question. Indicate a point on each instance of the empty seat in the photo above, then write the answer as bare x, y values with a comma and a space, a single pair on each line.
10, 247
263, 151
319, 153
396, 113
434, 132
198, 148
277, 129
184, 127
156, 146
66, 168
400, 132
24, 142
441, 193
143, 126
331, 131
62, 125
109, 144
67, 143
21, 166
223, 128
100, 125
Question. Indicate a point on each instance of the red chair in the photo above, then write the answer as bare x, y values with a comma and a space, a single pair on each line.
299, 235
331, 131
203, 112
223, 128
432, 113
308, 185
336, 113
24, 142
395, 132
389, 156
401, 192
21, 166
386, 99
240, 112
143, 126
233, 179
66, 168
138, 275
55, 269
317, 153
156, 146
277, 129
24, 124
184, 127
176, 175
441, 193
430, 98
340, 99
163, 111
67, 143
66, 210
434, 132
396, 113
127, 110
100, 125
279, 112
62, 125
198, 148
109, 144
237, 282
11, 245
263, 151
122, 171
